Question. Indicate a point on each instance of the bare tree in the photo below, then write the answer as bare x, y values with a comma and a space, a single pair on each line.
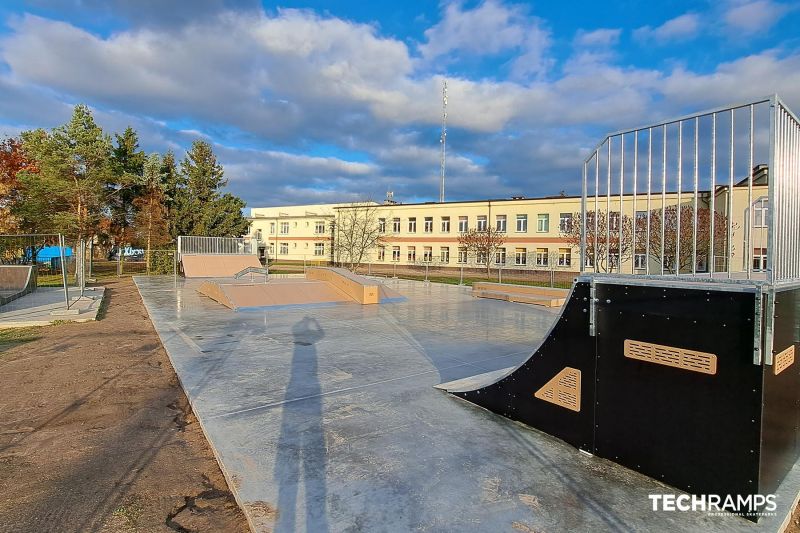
482, 244
689, 240
357, 233
611, 247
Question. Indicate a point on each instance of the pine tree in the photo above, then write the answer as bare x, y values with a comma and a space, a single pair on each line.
74, 163
128, 164
151, 225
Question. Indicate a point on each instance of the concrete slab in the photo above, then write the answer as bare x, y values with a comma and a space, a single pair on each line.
45, 305
327, 419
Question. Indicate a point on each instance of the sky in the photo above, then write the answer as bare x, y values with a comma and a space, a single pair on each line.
312, 102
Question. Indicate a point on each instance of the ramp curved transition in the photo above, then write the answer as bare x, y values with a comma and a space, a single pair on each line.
16, 281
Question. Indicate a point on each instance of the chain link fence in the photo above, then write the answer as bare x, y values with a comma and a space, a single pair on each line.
156, 263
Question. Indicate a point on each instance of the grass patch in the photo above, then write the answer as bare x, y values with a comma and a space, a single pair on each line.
11, 337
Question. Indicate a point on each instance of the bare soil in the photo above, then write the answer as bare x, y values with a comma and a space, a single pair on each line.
96, 434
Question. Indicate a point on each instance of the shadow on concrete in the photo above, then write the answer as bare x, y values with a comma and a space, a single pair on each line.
301, 453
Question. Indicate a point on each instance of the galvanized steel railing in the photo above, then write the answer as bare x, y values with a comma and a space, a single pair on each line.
196, 245
711, 195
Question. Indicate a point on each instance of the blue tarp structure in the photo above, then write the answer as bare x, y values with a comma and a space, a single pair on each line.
48, 253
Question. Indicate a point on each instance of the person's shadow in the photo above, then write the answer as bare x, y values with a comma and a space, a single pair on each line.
301, 447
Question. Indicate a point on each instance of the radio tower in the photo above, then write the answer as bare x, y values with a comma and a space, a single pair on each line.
443, 141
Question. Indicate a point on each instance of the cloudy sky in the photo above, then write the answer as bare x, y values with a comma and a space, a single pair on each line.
332, 101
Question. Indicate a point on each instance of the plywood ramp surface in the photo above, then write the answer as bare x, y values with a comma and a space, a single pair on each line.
359, 288
273, 293
217, 266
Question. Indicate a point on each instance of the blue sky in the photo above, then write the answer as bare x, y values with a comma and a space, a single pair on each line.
317, 101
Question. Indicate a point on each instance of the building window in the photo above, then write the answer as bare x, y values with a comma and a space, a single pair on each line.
480, 257
444, 254
319, 227
759, 259
613, 221
543, 223
613, 260
445, 224
258, 235
760, 211
639, 261
382, 225
272, 228
396, 225
272, 248
500, 256
482, 223
463, 224
565, 222
395, 253
412, 224
541, 257
462, 255
641, 220
521, 256
284, 228
284, 248
428, 224
381, 253
412, 254
564, 257
427, 254
501, 223
522, 224
319, 248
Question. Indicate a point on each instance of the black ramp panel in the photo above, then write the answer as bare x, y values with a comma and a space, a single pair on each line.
696, 431
779, 440
568, 344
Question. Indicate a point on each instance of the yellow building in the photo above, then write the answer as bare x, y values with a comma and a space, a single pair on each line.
533, 228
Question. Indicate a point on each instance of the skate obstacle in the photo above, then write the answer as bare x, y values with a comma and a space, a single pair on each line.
319, 286
16, 281
685, 374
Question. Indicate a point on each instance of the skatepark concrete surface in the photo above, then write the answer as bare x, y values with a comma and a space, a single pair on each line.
327, 419
46, 305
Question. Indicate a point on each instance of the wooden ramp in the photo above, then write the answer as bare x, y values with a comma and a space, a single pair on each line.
16, 281
217, 266
321, 286
526, 294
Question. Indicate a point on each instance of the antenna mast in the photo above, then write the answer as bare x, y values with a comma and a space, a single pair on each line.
443, 141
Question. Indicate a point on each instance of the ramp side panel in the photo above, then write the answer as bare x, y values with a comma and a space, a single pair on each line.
694, 430
567, 344
780, 441
217, 266
216, 292
359, 288
16, 281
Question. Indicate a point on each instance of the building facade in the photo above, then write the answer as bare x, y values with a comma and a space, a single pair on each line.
536, 232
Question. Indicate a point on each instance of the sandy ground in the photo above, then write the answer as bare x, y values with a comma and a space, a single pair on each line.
96, 433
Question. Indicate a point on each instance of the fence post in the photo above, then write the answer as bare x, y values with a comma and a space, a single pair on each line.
461, 279
552, 278
304, 265
369, 269
61, 245
500, 274
175, 268
119, 261
91, 257
426, 271
394, 270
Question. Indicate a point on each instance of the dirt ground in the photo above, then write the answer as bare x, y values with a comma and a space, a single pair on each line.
96, 433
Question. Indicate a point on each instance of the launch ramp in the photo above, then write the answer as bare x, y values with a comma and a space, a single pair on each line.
675, 353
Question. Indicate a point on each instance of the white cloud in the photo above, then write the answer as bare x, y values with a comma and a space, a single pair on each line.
487, 29
751, 17
601, 37
679, 28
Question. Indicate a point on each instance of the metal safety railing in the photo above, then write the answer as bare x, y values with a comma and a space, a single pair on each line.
711, 195
193, 244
